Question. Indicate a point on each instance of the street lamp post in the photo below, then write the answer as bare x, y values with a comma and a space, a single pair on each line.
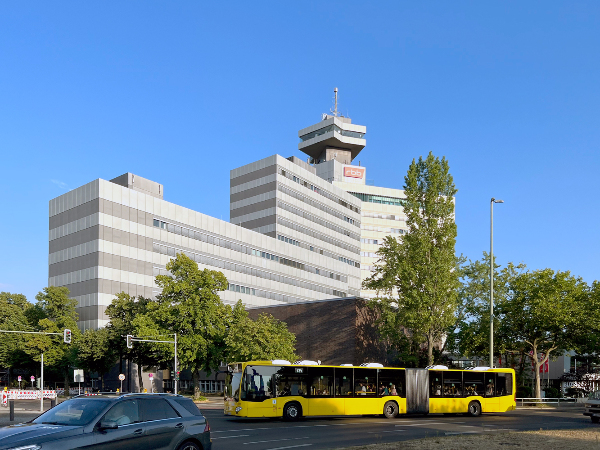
492, 279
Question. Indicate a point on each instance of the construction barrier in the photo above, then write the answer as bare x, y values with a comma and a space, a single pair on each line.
28, 394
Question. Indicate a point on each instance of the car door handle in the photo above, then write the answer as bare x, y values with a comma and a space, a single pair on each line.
179, 425
138, 432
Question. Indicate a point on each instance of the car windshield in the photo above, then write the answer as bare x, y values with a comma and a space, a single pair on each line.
78, 411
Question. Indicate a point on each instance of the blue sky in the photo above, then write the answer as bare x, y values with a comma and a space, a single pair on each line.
182, 92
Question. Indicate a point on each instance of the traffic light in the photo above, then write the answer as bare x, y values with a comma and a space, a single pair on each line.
129, 341
67, 336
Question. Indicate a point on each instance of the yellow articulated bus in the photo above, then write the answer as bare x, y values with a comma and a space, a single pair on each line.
281, 389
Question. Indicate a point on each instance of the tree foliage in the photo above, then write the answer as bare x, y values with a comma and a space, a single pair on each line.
54, 312
14, 309
417, 277
544, 314
265, 338
95, 352
190, 306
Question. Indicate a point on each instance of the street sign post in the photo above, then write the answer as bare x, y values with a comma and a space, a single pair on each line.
121, 378
32, 380
19, 378
78, 377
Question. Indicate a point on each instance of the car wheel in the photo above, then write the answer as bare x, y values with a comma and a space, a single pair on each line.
595, 419
292, 411
474, 409
390, 410
188, 446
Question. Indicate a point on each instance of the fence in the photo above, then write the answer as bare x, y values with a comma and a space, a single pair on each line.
26, 395
547, 401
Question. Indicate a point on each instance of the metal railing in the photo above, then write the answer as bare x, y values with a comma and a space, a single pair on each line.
544, 401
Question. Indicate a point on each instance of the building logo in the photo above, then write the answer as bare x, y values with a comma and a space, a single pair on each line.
354, 172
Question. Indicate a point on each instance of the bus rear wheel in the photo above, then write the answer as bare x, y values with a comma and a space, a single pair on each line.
474, 409
292, 411
390, 409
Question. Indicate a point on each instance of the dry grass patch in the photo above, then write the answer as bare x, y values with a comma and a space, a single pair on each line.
543, 439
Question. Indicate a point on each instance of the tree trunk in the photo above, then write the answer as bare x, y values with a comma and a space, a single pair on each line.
67, 382
429, 350
196, 380
140, 377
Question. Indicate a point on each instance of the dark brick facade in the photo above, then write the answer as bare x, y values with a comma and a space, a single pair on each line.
335, 331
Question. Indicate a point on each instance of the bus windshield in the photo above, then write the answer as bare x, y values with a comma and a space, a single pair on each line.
232, 386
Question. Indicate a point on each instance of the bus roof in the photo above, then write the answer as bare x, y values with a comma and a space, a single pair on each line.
271, 363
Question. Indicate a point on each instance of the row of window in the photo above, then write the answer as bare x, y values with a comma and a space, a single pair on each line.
239, 268
242, 289
288, 240
380, 199
371, 241
315, 189
334, 128
318, 220
303, 198
263, 382
369, 254
318, 250
219, 241
382, 216
384, 230
314, 234
452, 384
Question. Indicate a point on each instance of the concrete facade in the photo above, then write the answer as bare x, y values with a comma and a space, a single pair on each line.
106, 238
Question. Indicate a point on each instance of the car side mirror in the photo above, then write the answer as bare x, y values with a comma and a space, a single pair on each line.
108, 425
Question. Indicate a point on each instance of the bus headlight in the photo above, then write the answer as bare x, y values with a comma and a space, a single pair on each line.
238, 409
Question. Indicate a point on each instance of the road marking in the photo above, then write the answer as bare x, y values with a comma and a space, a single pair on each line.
422, 424
239, 429
291, 446
231, 437
276, 440
390, 431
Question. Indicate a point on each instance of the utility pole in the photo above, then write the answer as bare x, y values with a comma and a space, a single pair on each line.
492, 279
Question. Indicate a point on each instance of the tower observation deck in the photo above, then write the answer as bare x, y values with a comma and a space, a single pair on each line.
334, 137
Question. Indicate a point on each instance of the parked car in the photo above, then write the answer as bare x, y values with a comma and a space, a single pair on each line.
113, 421
592, 407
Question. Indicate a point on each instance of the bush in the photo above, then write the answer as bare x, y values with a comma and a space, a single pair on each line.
553, 393
524, 392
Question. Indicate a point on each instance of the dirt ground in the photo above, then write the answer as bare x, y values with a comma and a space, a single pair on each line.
543, 439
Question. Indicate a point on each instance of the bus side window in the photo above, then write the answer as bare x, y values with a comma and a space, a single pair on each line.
343, 382
365, 382
391, 382
509, 384
321, 381
500, 384
474, 383
435, 384
453, 384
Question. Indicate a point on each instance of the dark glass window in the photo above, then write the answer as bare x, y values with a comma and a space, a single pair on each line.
156, 223
435, 384
189, 405
391, 382
365, 382
320, 381
490, 384
259, 383
453, 384
124, 412
156, 409
78, 411
474, 383
343, 382
509, 384
292, 381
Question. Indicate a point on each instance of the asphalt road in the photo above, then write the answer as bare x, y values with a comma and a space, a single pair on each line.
329, 433
335, 432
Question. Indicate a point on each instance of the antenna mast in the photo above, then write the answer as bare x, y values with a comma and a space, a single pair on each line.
335, 110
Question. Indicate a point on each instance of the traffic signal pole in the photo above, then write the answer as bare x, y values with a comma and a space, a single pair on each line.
130, 339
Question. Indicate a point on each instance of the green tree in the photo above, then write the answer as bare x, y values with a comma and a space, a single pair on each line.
543, 314
265, 338
418, 274
95, 352
190, 306
14, 310
122, 311
57, 312
472, 332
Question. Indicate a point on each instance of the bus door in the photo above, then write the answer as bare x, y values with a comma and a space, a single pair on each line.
321, 400
417, 391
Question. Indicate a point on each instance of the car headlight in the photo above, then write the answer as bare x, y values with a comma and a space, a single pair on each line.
238, 409
27, 447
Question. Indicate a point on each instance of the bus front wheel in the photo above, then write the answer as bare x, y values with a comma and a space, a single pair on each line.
474, 409
292, 411
390, 409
